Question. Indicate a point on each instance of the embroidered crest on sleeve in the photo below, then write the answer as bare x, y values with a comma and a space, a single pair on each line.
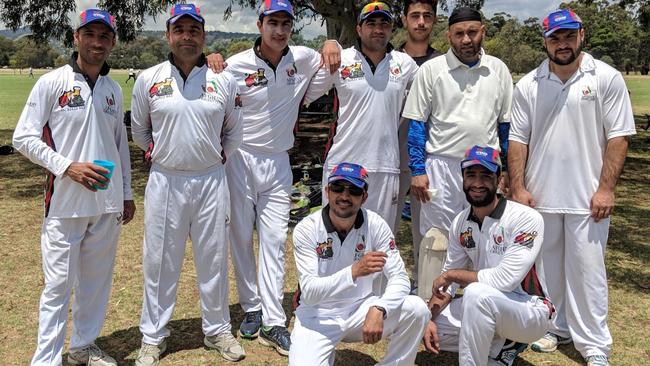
526, 239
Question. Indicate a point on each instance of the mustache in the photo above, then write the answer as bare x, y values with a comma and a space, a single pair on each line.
343, 200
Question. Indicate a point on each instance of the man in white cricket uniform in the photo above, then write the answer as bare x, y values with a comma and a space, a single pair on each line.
418, 19
456, 100
188, 120
572, 118
72, 117
273, 78
371, 86
493, 252
338, 251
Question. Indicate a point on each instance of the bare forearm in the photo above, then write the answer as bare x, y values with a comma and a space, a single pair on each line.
613, 165
517, 156
462, 277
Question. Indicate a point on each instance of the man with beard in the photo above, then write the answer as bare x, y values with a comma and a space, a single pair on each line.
72, 119
457, 100
370, 88
338, 251
188, 121
572, 119
419, 18
493, 253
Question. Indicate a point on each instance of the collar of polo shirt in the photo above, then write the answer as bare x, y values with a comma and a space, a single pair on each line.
587, 64
454, 62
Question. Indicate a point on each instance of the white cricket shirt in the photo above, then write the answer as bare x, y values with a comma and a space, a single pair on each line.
194, 124
462, 105
368, 109
271, 96
566, 127
66, 121
324, 264
504, 250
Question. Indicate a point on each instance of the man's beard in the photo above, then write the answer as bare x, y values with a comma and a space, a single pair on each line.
489, 197
568, 61
476, 49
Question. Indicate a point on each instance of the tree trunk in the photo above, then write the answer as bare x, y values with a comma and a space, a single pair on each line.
341, 19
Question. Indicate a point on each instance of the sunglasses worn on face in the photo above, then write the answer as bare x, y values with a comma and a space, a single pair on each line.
353, 190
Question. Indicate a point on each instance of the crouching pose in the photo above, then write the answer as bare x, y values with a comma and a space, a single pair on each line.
503, 307
339, 250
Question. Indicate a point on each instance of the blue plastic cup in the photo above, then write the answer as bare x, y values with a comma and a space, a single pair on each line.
109, 165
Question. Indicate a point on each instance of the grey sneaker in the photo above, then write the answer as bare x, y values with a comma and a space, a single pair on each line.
549, 343
227, 345
597, 360
90, 355
149, 354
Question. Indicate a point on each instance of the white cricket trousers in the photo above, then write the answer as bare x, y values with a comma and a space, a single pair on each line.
260, 187
77, 253
382, 194
416, 206
446, 176
404, 186
573, 260
314, 339
178, 204
489, 317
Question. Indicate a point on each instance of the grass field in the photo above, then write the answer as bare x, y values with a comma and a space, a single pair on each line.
21, 278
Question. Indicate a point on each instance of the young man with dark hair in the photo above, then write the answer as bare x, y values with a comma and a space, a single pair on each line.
494, 248
273, 77
571, 123
188, 120
339, 251
72, 119
370, 89
419, 17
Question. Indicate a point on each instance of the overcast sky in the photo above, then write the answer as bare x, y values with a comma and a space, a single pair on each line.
243, 20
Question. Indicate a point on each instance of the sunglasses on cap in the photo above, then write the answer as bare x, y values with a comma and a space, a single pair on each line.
352, 189
377, 5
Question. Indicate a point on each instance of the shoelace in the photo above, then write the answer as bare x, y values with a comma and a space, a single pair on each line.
281, 334
95, 353
251, 317
149, 350
599, 358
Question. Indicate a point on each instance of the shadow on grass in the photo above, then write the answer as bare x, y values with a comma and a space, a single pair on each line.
186, 334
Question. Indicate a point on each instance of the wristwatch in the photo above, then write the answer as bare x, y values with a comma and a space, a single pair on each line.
383, 311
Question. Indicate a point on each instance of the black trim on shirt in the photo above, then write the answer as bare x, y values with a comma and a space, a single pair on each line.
495, 214
256, 49
373, 67
75, 67
431, 53
329, 227
199, 63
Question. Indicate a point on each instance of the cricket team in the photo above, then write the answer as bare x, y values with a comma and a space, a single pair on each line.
512, 187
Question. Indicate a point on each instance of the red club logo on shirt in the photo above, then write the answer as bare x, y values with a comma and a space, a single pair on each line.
353, 71
256, 78
392, 245
72, 98
324, 250
466, 239
161, 88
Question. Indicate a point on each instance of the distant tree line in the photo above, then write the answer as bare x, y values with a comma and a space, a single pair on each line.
617, 33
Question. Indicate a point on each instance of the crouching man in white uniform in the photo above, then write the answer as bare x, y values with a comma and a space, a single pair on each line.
503, 306
339, 250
